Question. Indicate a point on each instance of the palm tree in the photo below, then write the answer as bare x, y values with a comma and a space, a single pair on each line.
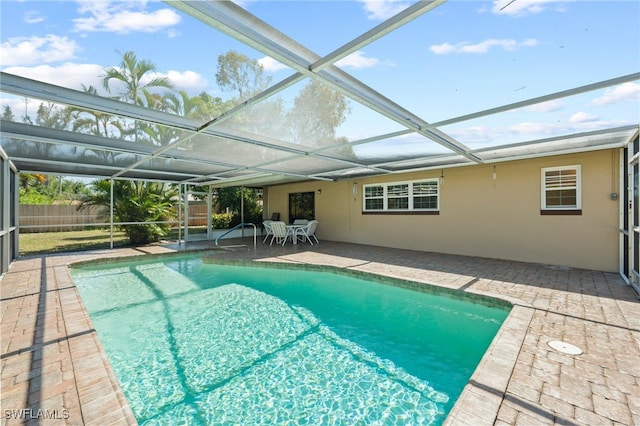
131, 73
95, 122
180, 103
98, 124
154, 134
136, 201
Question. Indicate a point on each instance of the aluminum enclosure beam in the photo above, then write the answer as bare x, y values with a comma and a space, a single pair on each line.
546, 98
27, 87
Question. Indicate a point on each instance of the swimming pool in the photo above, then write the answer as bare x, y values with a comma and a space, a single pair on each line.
199, 343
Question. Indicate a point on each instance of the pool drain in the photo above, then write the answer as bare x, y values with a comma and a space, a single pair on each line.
565, 348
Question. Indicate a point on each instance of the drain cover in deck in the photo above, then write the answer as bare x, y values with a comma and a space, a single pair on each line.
565, 348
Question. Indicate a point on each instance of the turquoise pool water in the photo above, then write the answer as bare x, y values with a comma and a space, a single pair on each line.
198, 343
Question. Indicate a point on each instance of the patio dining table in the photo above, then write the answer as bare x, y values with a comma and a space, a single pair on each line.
291, 230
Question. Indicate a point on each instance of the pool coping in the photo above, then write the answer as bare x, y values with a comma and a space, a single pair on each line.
482, 396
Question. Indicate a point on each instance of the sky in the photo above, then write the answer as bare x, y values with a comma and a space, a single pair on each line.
459, 58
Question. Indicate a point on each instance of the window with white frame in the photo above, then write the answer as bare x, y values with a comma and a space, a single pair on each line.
561, 189
418, 196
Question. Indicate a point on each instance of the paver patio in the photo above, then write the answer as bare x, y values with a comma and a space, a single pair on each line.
54, 370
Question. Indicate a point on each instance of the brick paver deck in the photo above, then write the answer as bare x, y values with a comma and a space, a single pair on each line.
54, 370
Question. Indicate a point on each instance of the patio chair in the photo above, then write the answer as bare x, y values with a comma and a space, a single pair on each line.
307, 232
267, 229
300, 222
280, 233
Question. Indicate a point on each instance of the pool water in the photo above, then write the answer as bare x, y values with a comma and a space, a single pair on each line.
198, 343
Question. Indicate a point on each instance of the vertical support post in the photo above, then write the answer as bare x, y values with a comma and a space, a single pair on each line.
186, 215
180, 213
242, 209
209, 224
6, 235
111, 214
14, 207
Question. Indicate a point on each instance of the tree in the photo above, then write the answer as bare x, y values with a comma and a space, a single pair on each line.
41, 189
137, 201
212, 106
131, 74
52, 116
180, 103
7, 114
28, 180
231, 197
242, 75
97, 123
244, 78
317, 112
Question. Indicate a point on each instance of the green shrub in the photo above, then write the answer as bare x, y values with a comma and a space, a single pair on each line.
31, 196
221, 220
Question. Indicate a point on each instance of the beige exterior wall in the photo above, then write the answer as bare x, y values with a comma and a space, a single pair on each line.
480, 216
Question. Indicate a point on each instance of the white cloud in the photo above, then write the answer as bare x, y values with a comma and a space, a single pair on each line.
189, 81
532, 128
357, 60
622, 93
33, 17
476, 135
69, 74
582, 117
482, 47
37, 50
383, 9
122, 17
525, 7
271, 65
548, 106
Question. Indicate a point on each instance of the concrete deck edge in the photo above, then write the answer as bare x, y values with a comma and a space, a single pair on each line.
482, 397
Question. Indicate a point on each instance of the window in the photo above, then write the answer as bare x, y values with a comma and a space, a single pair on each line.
374, 197
302, 206
399, 197
425, 195
561, 190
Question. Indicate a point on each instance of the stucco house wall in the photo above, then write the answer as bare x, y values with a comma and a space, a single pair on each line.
480, 215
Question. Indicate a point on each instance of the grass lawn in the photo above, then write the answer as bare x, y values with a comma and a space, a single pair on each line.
55, 242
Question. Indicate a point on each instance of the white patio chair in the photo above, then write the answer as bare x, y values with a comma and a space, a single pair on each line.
300, 222
280, 233
267, 229
307, 232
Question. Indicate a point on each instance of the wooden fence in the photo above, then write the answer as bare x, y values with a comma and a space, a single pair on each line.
197, 214
59, 218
